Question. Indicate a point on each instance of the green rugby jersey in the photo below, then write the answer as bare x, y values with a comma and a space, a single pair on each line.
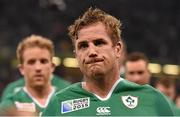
15, 86
24, 101
124, 99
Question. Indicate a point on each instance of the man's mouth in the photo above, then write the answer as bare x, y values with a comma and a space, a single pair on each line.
94, 61
38, 76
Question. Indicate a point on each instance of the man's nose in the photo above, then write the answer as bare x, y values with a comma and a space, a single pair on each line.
38, 66
92, 51
136, 76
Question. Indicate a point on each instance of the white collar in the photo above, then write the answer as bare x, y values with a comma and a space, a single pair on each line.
36, 101
110, 92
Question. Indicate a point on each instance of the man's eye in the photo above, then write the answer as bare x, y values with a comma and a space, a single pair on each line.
99, 42
31, 62
131, 73
83, 45
140, 72
44, 61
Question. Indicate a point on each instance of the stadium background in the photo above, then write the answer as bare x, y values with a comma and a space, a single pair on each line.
149, 26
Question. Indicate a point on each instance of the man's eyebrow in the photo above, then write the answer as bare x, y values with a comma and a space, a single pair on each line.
81, 42
99, 39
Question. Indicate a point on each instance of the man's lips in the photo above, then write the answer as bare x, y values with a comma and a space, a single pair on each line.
38, 76
94, 61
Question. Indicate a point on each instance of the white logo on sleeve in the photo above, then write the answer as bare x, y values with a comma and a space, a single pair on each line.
103, 111
130, 101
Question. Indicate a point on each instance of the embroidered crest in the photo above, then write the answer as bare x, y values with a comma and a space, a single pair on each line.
130, 101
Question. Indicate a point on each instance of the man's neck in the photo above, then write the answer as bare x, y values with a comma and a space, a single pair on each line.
100, 86
40, 94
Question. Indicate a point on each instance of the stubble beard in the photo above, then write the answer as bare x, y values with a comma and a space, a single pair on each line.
95, 73
39, 85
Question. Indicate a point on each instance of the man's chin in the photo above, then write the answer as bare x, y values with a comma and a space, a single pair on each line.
39, 85
96, 74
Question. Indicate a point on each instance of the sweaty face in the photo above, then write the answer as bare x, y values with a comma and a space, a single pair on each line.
95, 52
37, 66
137, 71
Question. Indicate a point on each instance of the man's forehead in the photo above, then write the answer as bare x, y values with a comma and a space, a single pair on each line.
139, 62
135, 66
36, 52
96, 29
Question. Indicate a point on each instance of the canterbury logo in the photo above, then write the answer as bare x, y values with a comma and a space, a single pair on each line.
103, 111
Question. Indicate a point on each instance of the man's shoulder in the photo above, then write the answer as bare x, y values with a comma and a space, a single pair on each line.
11, 98
59, 82
19, 94
133, 87
13, 87
145, 92
17, 83
71, 91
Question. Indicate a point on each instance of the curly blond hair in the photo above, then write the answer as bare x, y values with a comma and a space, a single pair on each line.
95, 15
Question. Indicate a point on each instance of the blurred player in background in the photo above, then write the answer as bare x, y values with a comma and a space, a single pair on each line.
15, 86
167, 86
98, 49
136, 68
35, 54
177, 100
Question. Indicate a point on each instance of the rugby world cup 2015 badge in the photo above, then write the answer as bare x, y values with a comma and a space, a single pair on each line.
130, 101
74, 105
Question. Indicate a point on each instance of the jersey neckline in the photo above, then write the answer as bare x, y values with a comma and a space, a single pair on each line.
36, 101
109, 94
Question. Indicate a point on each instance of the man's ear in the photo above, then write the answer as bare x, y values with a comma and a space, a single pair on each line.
53, 67
149, 73
21, 68
119, 49
74, 52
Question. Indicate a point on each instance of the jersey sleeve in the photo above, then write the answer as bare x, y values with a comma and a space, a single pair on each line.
7, 91
10, 88
163, 105
5, 106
